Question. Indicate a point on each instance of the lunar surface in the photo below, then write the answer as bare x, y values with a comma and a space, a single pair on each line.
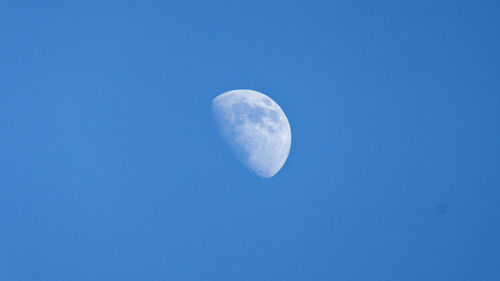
256, 129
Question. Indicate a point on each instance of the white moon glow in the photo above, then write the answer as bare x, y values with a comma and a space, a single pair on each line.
256, 128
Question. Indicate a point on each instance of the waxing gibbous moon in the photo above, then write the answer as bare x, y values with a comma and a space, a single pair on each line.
256, 128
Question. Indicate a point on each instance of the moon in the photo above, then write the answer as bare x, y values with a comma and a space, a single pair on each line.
256, 128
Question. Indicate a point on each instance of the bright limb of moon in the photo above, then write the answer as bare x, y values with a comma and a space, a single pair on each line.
256, 128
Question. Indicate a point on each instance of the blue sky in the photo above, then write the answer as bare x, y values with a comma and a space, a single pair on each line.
111, 167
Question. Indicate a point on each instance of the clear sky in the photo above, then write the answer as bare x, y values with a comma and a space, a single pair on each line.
111, 167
